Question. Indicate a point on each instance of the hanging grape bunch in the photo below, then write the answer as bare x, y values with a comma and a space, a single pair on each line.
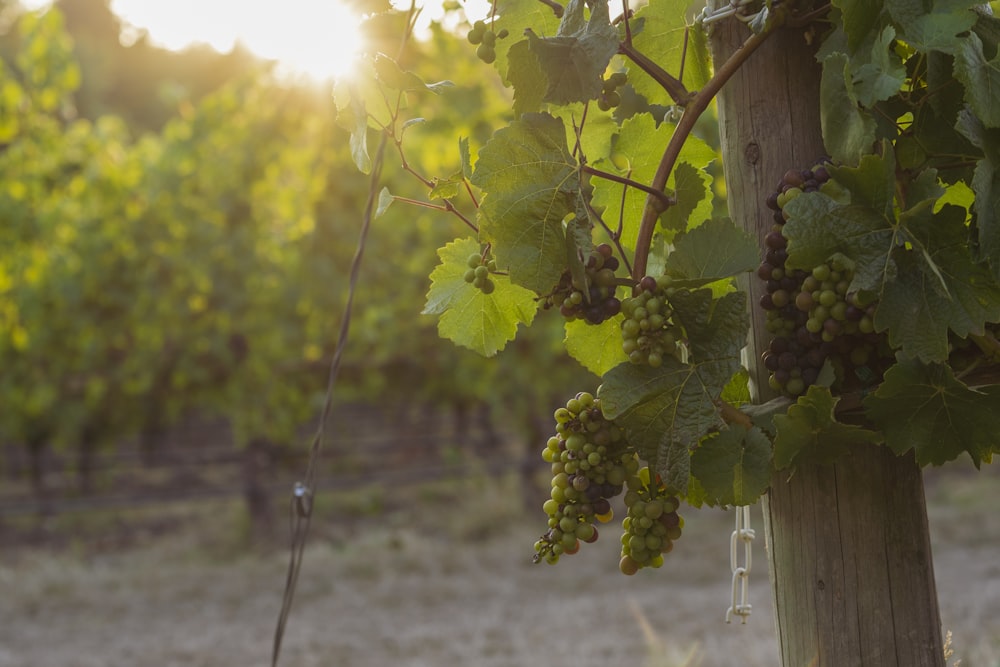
481, 265
485, 41
810, 314
594, 301
652, 524
648, 334
590, 464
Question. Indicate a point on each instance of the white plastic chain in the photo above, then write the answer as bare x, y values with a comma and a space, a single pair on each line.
741, 573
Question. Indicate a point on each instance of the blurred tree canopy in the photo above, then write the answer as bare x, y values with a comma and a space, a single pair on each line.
176, 231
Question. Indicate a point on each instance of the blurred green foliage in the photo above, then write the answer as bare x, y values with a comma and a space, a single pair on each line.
165, 253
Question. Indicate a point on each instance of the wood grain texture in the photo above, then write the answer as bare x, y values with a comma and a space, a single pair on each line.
848, 546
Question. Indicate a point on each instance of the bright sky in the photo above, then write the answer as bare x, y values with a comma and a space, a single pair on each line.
314, 37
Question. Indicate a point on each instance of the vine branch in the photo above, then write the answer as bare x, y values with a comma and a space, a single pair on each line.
695, 107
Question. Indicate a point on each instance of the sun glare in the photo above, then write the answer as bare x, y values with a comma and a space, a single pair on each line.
317, 38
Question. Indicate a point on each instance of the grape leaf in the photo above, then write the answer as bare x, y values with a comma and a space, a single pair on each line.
986, 185
531, 184
810, 433
385, 200
526, 76
690, 190
575, 59
943, 289
352, 117
848, 131
733, 466
666, 410
927, 409
860, 18
659, 33
598, 347
737, 391
710, 252
938, 30
883, 75
981, 79
465, 156
515, 16
638, 149
481, 322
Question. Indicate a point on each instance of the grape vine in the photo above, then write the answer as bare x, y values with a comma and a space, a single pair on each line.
879, 274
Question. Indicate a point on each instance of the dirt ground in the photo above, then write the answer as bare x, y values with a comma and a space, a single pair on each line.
453, 588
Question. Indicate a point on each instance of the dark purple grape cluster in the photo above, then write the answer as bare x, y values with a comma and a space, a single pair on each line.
810, 314
594, 301
590, 465
648, 333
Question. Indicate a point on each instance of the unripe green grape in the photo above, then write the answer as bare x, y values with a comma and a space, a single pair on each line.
488, 286
486, 53
474, 260
470, 275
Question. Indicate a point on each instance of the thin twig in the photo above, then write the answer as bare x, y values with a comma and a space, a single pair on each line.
678, 93
665, 199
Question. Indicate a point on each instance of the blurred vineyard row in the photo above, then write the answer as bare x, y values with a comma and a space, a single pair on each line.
186, 254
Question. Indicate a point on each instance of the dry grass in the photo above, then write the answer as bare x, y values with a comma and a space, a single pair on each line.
436, 584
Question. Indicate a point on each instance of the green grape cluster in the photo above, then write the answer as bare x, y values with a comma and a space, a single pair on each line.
590, 464
610, 97
594, 301
812, 316
652, 525
486, 40
648, 334
480, 268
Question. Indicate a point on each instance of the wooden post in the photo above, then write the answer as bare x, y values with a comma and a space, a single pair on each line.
848, 546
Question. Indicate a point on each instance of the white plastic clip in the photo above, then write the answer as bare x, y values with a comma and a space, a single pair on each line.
741, 573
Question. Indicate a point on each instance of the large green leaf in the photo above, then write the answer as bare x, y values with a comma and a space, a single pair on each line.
710, 252
575, 59
940, 289
598, 347
531, 184
810, 433
848, 130
468, 317
924, 407
526, 76
882, 75
733, 466
691, 188
860, 19
981, 78
515, 16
